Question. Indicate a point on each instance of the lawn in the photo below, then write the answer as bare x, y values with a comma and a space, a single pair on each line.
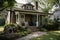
1, 29
53, 35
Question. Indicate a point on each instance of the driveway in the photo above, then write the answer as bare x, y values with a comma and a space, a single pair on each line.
32, 35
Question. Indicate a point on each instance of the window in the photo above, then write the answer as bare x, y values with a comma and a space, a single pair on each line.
59, 1
28, 7
22, 16
17, 18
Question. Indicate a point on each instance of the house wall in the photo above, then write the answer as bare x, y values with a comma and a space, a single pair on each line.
56, 15
43, 20
20, 19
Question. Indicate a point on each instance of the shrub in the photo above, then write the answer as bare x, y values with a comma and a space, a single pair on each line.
2, 21
20, 28
18, 32
12, 27
50, 26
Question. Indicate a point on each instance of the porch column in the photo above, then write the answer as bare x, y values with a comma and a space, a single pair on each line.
8, 18
18, 18
11, 16
37, 21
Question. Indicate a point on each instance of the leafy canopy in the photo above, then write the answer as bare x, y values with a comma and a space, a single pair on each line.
45, 5
7, 3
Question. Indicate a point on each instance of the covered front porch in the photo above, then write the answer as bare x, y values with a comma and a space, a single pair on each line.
26, 19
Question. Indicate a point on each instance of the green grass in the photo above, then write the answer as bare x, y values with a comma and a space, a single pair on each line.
53, 35
1, 29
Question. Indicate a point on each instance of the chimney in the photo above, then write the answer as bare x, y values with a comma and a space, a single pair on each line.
36, 3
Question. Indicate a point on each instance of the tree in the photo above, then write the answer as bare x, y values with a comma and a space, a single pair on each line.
45, 5
6, 4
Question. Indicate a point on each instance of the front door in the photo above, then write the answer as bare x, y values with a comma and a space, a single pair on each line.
31, 19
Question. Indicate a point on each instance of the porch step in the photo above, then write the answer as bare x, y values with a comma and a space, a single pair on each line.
33, 28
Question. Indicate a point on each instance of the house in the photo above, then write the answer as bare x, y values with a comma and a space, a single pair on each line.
56, 11
27, 15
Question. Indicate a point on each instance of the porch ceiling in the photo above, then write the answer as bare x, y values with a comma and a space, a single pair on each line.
32, 12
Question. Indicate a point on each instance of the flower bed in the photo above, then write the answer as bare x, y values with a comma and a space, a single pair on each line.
17, 33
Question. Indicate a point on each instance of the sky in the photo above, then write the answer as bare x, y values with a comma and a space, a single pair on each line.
21, 1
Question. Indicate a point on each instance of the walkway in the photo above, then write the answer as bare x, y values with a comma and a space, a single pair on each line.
32, 35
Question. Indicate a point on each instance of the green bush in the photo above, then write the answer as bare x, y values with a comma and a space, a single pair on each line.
18, 32
11, 25
20, 28
50, 26
2, 21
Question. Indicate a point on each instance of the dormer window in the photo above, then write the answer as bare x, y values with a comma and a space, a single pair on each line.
28, 6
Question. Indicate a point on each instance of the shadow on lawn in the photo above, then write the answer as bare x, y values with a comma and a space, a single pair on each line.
49, 36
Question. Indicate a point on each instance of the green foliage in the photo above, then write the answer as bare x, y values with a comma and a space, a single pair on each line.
17, 28
45, 5
17, 32
51, 25
24, 30
2, 21
7, 3
11, 25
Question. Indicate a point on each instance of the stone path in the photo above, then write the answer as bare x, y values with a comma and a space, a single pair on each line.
32, 35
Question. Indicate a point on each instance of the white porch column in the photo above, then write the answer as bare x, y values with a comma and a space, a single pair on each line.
8, 18
18, 18
37, 21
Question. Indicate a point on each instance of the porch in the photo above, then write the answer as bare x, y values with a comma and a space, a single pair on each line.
28, 20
